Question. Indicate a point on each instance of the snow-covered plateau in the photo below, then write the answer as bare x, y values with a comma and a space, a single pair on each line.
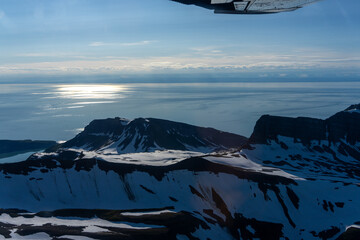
294, 178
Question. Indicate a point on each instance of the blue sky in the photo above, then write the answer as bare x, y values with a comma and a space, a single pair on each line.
67, 37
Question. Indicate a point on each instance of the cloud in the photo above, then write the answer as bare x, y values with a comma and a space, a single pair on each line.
97, 44
207, 51
46, 54
100, 44
137, 43
261, 63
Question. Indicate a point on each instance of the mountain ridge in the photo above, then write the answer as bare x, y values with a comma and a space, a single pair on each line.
342, 125
119, 135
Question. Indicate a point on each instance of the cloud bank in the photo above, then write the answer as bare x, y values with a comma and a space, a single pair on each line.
197, 60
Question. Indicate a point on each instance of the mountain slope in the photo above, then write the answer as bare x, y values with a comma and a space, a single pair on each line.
310, 147
228, 195
120, 135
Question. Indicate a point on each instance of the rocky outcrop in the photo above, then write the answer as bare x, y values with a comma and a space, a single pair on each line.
304, 129
343, 125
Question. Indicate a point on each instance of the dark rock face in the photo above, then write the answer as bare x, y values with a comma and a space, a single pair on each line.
337, 155
146, 134
343, 125
97, 134
164, 226
352, 233
353, 107
306, 129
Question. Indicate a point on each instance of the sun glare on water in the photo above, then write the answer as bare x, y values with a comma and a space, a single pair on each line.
94, 91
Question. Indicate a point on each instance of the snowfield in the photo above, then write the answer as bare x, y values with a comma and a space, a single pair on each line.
240, 183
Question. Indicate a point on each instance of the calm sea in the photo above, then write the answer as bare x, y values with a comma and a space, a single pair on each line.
59, 112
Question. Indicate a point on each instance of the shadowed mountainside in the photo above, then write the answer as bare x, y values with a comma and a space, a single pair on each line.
149, 134
343, 125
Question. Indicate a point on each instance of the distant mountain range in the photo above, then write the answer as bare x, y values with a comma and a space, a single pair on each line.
295, 178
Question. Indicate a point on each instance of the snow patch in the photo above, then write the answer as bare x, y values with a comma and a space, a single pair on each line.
90, 224
157, 158
146, 213
242, 162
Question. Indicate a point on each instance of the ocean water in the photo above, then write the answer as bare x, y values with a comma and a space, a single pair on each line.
60, 111
17, 158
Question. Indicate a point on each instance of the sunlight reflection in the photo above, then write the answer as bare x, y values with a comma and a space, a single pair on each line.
93, 91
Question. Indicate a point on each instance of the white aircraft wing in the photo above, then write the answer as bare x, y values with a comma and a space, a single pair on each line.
249, 6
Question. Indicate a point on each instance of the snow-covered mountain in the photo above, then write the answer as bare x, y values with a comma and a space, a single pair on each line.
296, 178
119, 135
308, 146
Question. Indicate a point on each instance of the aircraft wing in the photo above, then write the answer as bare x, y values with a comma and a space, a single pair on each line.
248, 6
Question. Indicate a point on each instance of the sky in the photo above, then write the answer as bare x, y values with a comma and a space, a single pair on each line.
89, 37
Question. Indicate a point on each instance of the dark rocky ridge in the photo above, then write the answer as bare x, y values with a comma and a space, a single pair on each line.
67, 159
165, 226
146, 134
343, 125
353, 107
